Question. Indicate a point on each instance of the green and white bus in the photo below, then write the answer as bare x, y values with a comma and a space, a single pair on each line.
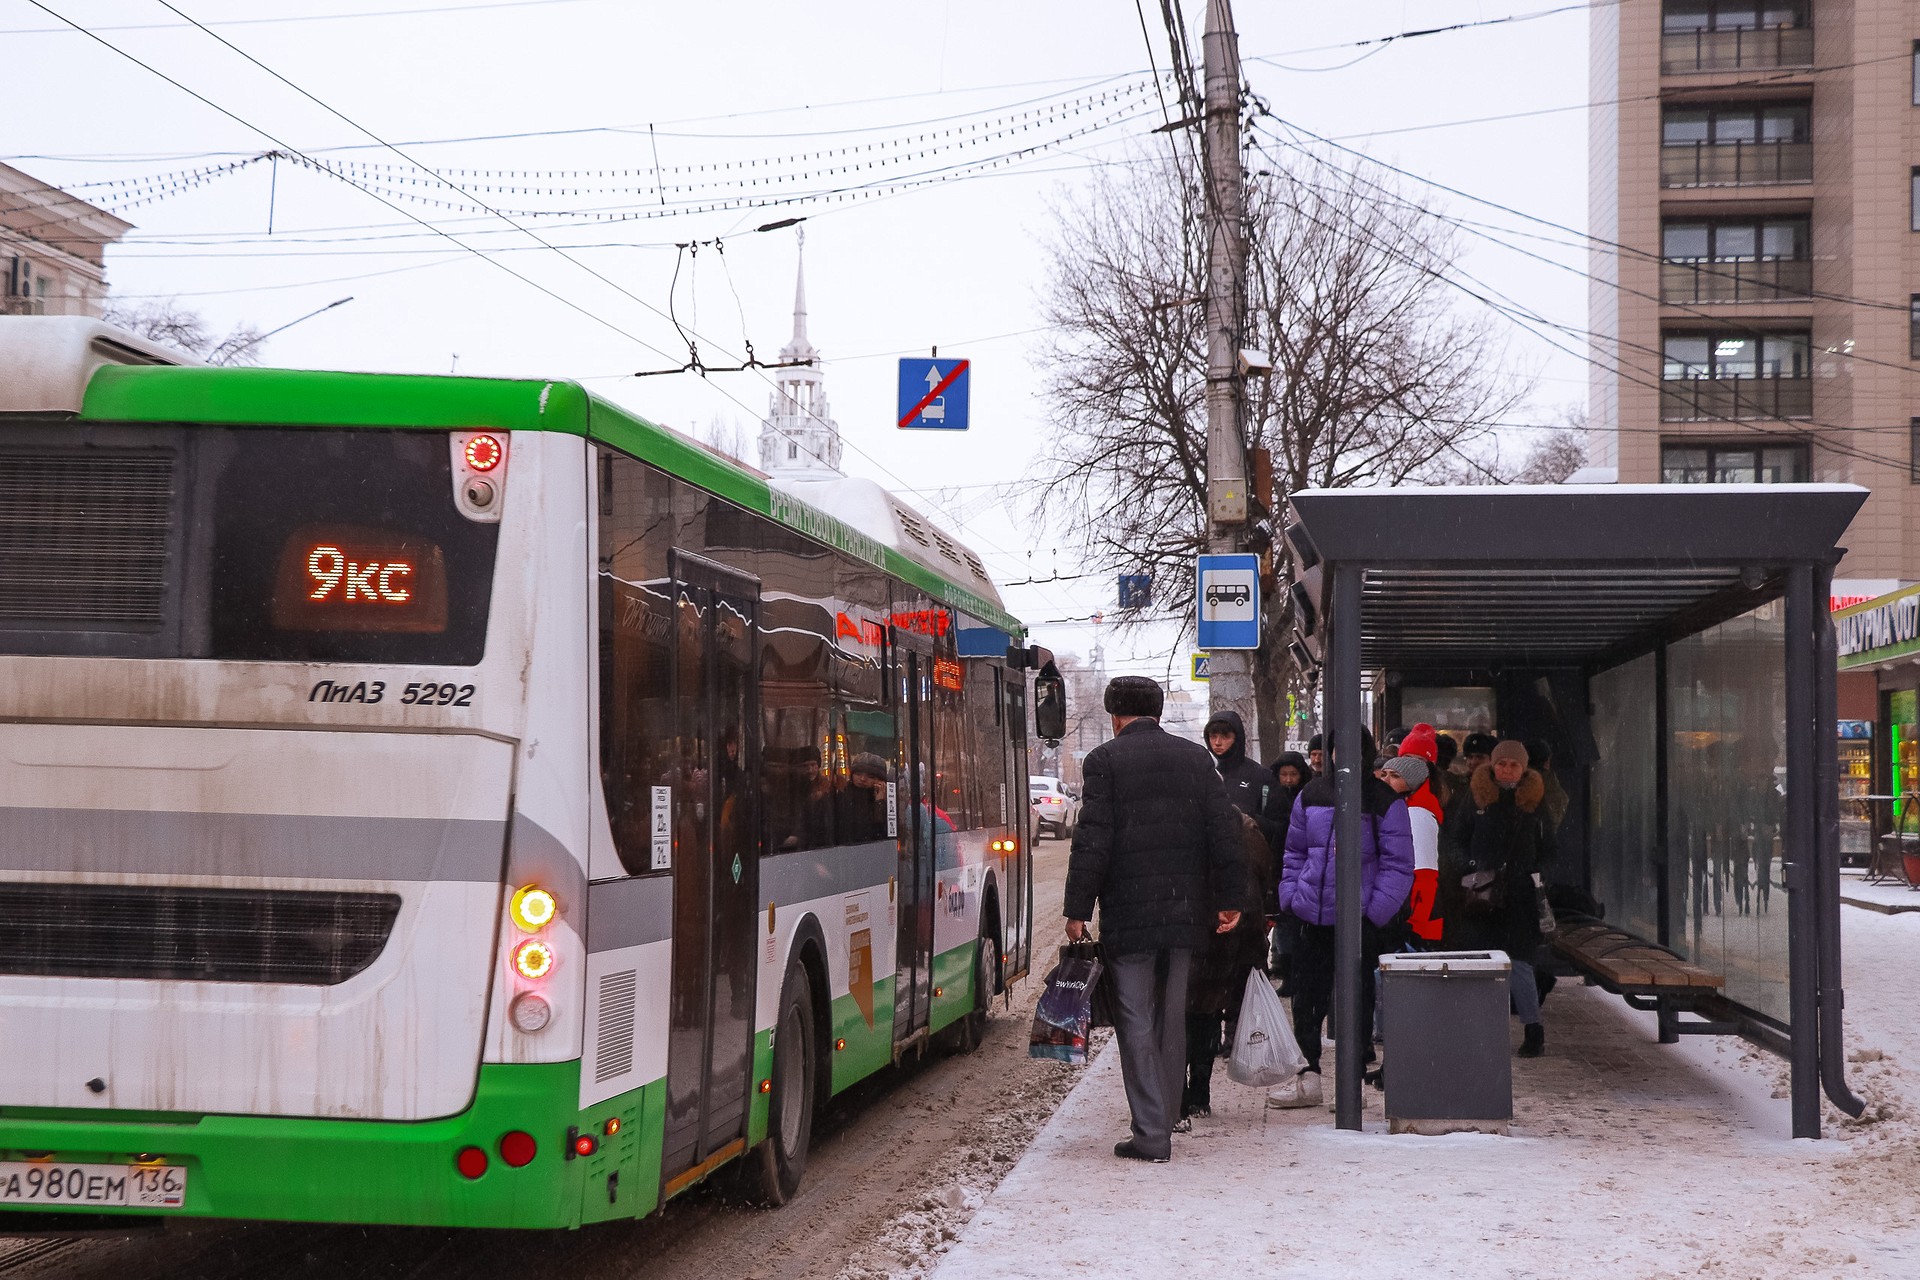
456, 801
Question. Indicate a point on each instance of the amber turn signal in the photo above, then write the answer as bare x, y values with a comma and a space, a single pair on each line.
532, 908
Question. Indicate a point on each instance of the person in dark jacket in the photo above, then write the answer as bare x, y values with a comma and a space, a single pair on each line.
1219, 982
1293, 773
1250, 784
1158, 849
1220, 977
1499, 832
1301, 773
1307, 890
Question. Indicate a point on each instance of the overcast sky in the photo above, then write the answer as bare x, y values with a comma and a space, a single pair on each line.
616, 87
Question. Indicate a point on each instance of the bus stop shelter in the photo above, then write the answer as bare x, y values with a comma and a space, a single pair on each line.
1673, 643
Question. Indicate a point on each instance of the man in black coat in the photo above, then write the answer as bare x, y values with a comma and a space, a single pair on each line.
1158, 848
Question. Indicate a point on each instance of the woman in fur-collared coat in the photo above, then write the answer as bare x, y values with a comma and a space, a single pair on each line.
1500, 837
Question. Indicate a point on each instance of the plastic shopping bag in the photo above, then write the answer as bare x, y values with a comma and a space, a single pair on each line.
1088, 949
1264, 1050
1063, 1016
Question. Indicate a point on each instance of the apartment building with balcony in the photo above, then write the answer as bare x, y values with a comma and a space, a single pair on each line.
53, 248
1755, 307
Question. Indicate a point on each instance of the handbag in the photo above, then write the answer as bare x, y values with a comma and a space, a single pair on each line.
1483, 893
1101, 1014
1060, 1019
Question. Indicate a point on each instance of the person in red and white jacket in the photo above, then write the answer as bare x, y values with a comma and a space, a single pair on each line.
1410, 773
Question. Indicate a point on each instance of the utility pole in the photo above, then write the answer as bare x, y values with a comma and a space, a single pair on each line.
1231, 688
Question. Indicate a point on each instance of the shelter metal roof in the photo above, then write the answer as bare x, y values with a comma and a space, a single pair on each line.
1562, 575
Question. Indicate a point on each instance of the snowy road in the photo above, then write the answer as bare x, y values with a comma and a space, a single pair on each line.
898, 1164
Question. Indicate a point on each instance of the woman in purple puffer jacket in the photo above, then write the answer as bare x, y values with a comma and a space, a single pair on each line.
1307, 890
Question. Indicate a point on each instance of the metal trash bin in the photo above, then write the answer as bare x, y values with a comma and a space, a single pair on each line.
1448, 1068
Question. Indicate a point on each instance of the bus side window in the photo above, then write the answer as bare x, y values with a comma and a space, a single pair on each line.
636, 695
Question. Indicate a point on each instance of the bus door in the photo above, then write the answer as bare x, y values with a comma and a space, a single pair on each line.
913, 882
716, 860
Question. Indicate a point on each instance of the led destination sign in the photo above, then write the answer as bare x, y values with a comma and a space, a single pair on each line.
353, 579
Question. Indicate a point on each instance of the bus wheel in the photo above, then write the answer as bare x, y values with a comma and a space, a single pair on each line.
779, 1161
972, 1029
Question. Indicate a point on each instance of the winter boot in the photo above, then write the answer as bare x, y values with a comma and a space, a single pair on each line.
1534, 1043
1301, 1091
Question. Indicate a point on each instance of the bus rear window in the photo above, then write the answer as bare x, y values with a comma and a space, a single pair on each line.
241, 543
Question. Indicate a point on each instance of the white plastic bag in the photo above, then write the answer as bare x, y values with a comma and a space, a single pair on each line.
1264, 1050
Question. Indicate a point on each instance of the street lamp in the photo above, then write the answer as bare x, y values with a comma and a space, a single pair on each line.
230, 356
337, 302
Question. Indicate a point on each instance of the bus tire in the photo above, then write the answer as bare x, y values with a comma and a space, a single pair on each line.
779, 1161
971, 1031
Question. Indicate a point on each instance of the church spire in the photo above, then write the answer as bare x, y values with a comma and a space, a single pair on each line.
800, 291
799, 440
800, 348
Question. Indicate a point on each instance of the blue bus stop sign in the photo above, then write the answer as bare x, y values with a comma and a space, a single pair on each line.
934, 393
1228, 589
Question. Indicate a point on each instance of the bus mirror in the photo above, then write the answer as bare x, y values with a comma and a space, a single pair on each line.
1050, 705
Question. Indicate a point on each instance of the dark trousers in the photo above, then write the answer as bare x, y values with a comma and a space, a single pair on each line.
1207, 1034
1313, 960
1149, 1014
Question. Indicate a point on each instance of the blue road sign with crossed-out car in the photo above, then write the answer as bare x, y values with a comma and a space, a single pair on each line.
1229, 601
934, 394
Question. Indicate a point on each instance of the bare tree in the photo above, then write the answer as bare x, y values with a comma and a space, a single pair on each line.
165, 321
724, 436
1553, 453
1378, 379
1556, 455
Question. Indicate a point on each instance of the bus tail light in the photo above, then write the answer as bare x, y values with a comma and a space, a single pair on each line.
518, 1149
471, 1162
479, 473
533, 959
532, 908
483, 452
529, 1013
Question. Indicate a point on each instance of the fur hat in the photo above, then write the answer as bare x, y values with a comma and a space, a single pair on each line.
1420, 741
1134, 696
1477, 744
1412, 770
1510, 749
870, 765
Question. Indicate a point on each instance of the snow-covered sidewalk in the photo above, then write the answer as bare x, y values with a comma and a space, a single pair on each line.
1628, 1159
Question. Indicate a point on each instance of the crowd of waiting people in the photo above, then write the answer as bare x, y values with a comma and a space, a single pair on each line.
1455, 838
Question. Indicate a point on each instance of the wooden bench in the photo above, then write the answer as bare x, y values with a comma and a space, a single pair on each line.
1648, 976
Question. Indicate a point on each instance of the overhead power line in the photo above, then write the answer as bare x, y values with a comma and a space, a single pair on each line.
1531, 321
531, 234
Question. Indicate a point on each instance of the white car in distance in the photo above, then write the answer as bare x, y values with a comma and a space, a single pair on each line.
1055, 809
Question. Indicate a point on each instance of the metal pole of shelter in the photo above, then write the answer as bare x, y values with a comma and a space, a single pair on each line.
1350, 1038
1803, 968
1832, 995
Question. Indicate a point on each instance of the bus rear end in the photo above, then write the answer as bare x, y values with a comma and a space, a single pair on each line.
264, 690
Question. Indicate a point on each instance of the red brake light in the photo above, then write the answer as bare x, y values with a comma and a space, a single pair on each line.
518, 1149
586, 1144
484, 453
471, 1162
